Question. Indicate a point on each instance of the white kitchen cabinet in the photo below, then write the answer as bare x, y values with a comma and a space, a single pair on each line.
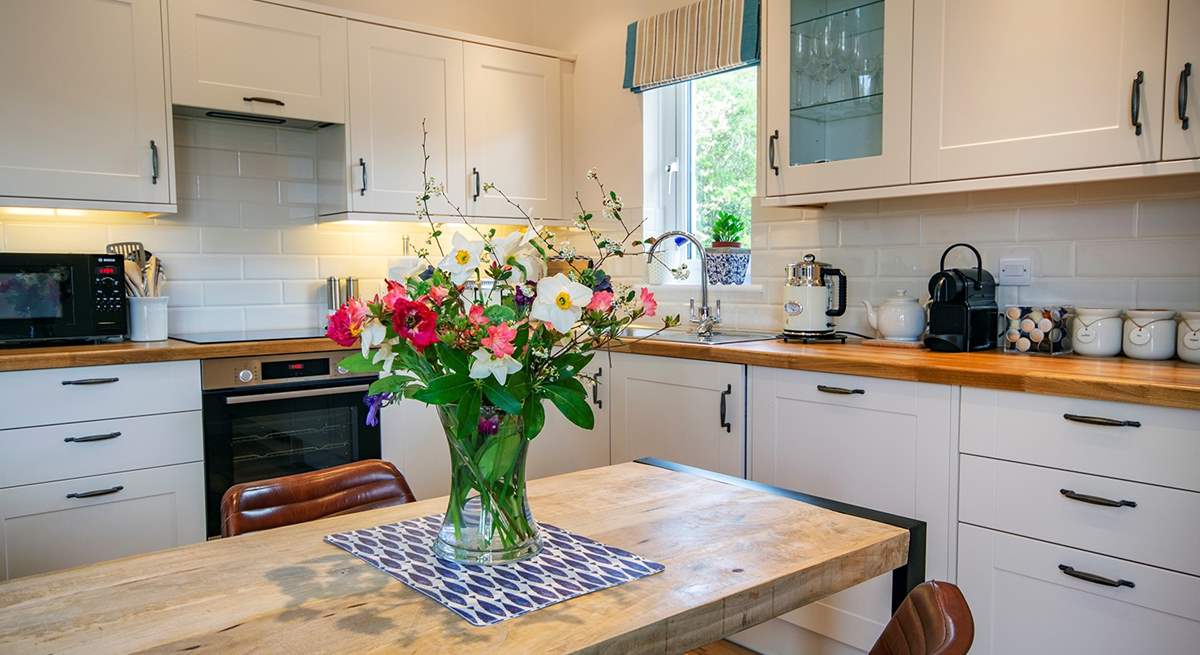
513, 131
562, 446
1182, 82
836, 109
1025, 86
1023, 602
397, 80
683, 410
85, 114
887, 445
55, 525
258, 58
411, 437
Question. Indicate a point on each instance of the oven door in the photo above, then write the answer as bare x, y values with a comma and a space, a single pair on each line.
39, 295
274, 431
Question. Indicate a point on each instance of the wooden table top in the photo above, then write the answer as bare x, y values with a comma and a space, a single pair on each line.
734, 557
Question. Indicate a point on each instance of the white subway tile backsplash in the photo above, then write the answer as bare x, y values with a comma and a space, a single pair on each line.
297, 142
205, 161
225, 135
1062, 194
159, 239
230, 240
184, 294
1143, 258
975, 227
205, 212
256, 214
317, 241
243, 292
204, 267
1169, 217
1080, 292
1100, 221
55, 237
1175, 293
275, 167
885, 230
280, 267
298, 192
205, 319
340, 266
304, 292
1046, 259
242, 189
282, 317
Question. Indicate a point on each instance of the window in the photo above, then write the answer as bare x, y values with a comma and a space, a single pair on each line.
700, 151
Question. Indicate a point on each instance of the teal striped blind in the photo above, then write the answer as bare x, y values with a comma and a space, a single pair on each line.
702, 38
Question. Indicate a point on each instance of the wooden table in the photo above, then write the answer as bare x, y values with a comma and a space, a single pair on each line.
735, 556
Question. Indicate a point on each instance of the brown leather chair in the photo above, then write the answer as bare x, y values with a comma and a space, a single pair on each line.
933, 620
354, 487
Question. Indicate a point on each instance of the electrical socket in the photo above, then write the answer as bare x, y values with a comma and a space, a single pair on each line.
1015, 272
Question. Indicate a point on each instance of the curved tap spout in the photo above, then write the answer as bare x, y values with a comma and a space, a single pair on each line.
706, 319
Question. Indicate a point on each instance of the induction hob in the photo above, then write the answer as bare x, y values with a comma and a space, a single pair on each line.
235, 336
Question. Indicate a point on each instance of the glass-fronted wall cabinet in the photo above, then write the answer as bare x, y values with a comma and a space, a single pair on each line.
838, 92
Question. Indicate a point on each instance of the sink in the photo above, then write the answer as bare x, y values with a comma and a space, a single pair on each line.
687, 336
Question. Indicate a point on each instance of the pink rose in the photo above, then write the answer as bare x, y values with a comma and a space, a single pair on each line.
601, 301
347, 322
649, 304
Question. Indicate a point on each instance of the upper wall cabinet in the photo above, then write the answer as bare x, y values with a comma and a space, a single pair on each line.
257, 58
513, 131
1028, 85
84, 115
1181, 129
838, 94
400, 80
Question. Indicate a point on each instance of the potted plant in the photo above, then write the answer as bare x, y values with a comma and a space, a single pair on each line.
727, 260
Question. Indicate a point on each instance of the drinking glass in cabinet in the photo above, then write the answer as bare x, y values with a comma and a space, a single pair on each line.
836, 101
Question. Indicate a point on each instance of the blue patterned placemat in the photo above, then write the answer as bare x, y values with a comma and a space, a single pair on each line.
568, 566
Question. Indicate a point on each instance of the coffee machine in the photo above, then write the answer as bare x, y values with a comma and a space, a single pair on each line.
809, 308
962, 308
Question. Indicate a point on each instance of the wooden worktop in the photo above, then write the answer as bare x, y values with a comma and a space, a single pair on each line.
734, 557
1171, 383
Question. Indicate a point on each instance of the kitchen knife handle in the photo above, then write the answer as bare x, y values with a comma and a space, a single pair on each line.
1100, 420
92, 437
841, 391
1092, 577
96, 492
1183, 93
1135, 103
1096, 500
724, 396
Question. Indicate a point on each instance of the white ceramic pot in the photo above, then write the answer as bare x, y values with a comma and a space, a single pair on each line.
1096, 331
1188, 344
1149, 334
148, 318
899, 318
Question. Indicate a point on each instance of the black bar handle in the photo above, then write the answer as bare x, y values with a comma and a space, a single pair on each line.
269, 101
1096, 500
475, 177
89, 381
596, 389
841, 391
724, 396
774, 138
1092, 577
840, 275
93, 437
1135, 103
1100, 420
153, 162
1183, 92
363, 163
96, 492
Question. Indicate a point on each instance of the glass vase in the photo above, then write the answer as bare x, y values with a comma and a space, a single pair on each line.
487, 518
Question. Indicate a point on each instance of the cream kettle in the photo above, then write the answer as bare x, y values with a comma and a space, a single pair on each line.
899, 318
808, 300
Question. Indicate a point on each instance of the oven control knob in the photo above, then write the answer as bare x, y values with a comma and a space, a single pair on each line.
341, 370
245, 375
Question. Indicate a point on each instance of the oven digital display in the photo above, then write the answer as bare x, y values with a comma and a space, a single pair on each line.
296, 368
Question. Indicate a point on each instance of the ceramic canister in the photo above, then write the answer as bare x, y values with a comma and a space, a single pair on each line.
1149, 334
1188, 344
1096, 331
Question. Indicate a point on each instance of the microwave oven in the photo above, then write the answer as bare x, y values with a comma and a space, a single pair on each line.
51, 297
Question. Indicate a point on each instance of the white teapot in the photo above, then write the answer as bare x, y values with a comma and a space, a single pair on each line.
899, 318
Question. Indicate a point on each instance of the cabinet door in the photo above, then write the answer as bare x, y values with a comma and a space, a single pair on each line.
399, 79
682, 410
888, 448
1024, 86
45, 527
1183, 82
838, 94
411, 437
562, 446
258, 58
85, 102
514, 131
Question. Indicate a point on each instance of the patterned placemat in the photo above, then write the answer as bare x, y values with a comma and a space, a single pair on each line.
569, 565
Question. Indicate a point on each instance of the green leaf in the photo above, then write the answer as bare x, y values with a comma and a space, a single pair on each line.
446, 390
454, 360
391, 384
500, 397
534, 415
499, 313
570, 398
356, 363
499, 455
571, 364
467, 414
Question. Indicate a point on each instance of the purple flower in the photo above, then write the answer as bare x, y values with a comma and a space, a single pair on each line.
374, 402
489, 425
602, 282
525, 294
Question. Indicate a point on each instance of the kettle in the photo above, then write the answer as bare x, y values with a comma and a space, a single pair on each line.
809, 307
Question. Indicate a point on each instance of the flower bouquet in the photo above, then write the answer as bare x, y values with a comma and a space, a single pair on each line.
475, 331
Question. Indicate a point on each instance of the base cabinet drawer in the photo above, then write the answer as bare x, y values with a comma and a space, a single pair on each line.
1022, 602
44, 527
74, 450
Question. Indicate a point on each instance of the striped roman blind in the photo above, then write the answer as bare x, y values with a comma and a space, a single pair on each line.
702, 38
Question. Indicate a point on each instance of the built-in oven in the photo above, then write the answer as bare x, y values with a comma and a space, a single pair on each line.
277, 415
49, 297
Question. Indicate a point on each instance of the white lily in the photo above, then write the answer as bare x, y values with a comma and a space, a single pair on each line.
373, 334
463, 258
485, 364
507, 246
560, 302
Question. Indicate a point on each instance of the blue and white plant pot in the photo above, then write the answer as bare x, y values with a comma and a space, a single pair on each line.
727, 265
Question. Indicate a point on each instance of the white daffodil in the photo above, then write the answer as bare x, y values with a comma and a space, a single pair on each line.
485, 364
463, 258
385, 355
560, 302
373, 334
516, 246
508, 246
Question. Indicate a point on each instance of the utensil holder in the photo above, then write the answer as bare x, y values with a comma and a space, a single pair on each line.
148, 318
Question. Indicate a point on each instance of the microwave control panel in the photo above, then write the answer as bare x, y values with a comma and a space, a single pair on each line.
108, 283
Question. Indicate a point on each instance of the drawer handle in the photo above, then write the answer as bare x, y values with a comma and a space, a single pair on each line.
1092, 577
1100, 420
596, 389
89, 381
96, 492
269, 101
1135, 103
841, 391
93, 437
724, 396
1096, 500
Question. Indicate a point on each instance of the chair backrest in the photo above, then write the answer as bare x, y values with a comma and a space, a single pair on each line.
353, 487
933, 620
